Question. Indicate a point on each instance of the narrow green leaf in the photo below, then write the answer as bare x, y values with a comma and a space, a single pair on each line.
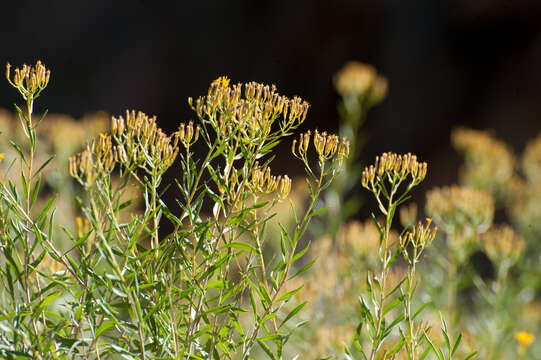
304, 268
292, 313
289, 294
266, 349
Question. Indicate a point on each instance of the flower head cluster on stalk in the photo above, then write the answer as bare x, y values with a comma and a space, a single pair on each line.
388, 172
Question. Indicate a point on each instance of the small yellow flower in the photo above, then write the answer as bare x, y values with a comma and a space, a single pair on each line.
2, 155
524, 338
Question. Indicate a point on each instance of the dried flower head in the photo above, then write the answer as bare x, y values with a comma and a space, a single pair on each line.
502, 243
29, 80
460, 210
489, 163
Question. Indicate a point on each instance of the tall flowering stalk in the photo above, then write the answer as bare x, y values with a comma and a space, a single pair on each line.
390, 180
30, 81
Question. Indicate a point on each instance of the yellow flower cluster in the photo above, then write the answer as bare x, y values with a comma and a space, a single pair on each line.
327, 146
502, 243
263, 182
253, 114
30, 80
98, 159
187, 135
395, 168
419, 236
460, 209
360, 79
142, 143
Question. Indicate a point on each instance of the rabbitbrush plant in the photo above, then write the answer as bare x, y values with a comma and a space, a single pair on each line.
127, 288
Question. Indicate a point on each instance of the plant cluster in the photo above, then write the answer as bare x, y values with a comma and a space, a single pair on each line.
219, 263
125, 288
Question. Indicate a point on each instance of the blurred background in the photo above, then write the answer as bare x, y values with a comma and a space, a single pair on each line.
449, 63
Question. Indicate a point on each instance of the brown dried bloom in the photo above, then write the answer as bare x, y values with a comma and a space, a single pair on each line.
460, 210
489, 163
30, 80
502, 243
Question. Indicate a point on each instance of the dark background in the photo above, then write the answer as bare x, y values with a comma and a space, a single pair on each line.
468, 62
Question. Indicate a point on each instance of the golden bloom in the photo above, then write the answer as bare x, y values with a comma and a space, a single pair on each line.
29, 80
327, 146
2, 155
394, 168
460, 209
187, 135
419, 236
249, 113
263, 182
143, 143
524, 338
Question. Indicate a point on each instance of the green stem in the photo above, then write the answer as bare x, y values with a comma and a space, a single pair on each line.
383, 274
